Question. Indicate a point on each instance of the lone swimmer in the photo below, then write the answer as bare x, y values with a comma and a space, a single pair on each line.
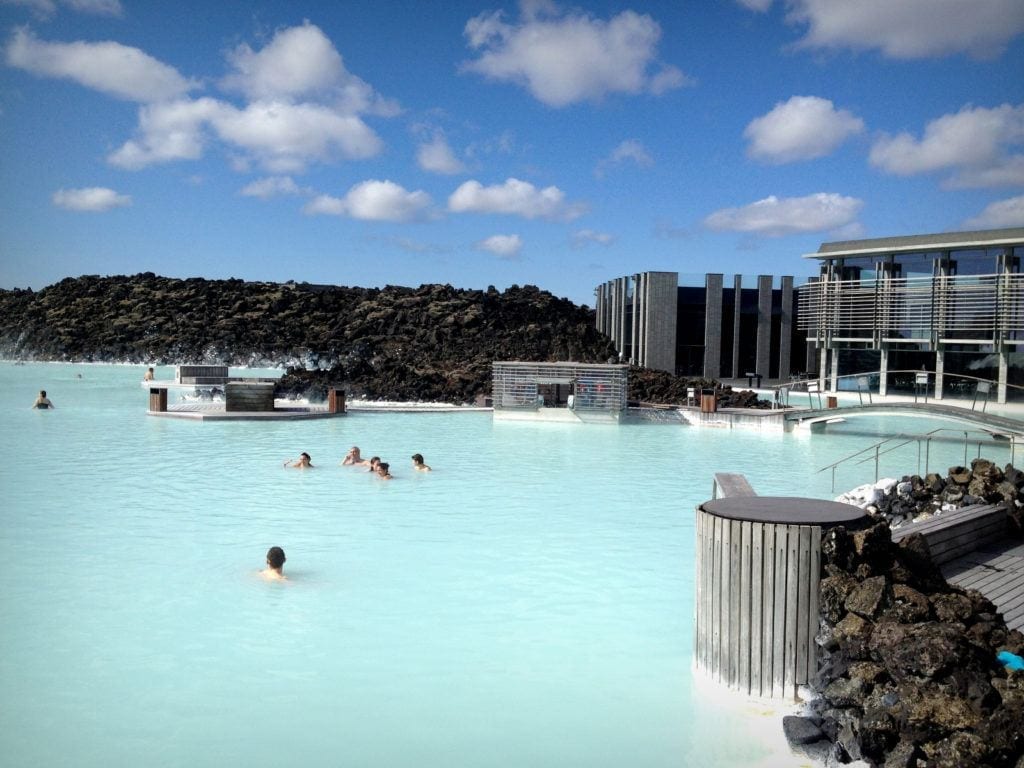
275, 564
42, 402
417, 463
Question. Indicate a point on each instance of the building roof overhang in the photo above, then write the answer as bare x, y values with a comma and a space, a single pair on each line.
989, 238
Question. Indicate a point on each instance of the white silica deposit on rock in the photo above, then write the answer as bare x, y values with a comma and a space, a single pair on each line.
869, 494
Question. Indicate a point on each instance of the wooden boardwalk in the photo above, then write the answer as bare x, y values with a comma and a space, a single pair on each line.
997, 571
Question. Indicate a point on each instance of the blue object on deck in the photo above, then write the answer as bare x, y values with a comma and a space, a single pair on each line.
1010, 660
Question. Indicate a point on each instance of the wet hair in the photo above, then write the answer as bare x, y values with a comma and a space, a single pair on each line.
275, 557
305, 456
418, 458
375, 459
42, 393
383, 467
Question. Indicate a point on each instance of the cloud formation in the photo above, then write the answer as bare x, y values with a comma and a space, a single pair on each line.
437, 157
910, 29
374, 200
515, 198
585, 237
974, 143
44, 9
502, 246
803, 128
567, 57
1003, 213
272, 186
117, 70
302, 62
91, 199
775, 217
630, 150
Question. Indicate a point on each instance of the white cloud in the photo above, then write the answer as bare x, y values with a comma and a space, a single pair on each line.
302, 62
585, 237
503, 246
803, 128
44, 9
514, 197
90, 199
283, 137
437, 157
374, 200
272, 186
1004, 213
629, 150
109, 67
756, 5
567, 58
910, 29
168, 131
774, 217
973, 143
98, 7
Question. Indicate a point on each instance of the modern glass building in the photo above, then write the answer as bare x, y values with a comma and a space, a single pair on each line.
704, 327
894, 309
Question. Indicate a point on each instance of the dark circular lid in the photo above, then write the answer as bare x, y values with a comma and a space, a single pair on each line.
785, 510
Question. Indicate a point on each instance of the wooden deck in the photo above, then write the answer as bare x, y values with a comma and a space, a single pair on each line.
972, 548
997, 571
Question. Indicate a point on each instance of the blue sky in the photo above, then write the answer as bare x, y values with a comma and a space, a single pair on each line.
480, 143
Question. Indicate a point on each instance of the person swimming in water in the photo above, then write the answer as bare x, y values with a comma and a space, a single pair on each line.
417, 463
303, 462
373, 464
42, 402
354, 459
275, 564
148, 375
383, 470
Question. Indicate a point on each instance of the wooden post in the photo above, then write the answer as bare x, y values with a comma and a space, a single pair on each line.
158, 399
335, 400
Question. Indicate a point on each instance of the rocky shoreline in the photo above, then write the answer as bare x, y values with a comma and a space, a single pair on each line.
909, 674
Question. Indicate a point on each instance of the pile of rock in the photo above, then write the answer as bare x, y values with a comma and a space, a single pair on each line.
909, 676
916, 498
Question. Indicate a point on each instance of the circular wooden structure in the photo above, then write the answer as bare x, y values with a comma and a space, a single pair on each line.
758, 566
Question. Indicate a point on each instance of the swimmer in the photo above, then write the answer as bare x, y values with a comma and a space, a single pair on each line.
42, 402
275, 562
148, 375
303, 462
374, 462
417, 463
354, 459
383, 470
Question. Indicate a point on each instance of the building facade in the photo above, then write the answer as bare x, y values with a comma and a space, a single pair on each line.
945, 311
705, 329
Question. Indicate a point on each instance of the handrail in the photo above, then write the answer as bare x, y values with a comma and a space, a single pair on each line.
927, 437
792, 384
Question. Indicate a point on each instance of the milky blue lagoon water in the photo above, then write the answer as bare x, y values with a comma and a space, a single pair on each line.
530, 602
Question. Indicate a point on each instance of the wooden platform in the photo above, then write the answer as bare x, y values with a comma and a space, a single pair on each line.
216, 412
956, 533
997, 571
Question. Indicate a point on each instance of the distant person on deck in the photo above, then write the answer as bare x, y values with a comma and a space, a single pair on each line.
303, 462
354, 459
148, 375
417, 463
275, 563
42, 402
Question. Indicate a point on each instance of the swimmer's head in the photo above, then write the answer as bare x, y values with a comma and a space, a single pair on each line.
375, 461
42, 393
382, 468
275, 558
304, 455
417, 458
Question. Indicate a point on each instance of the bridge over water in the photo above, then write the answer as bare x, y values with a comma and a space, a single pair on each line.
1003, 425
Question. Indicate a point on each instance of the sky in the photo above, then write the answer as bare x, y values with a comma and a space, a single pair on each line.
401, 142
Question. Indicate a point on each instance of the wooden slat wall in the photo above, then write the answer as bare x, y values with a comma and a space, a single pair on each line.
757, 604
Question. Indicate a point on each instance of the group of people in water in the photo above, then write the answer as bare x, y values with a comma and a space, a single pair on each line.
354, 458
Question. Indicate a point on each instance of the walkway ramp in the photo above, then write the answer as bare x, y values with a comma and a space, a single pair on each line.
1003, 425
997, 571
972, 548
729, 485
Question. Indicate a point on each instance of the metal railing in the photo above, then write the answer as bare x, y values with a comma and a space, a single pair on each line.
875, 452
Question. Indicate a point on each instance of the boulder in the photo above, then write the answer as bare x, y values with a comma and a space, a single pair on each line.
917, 650
870, 597
908, 605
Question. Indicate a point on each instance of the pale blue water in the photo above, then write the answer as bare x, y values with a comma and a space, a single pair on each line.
529, 602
